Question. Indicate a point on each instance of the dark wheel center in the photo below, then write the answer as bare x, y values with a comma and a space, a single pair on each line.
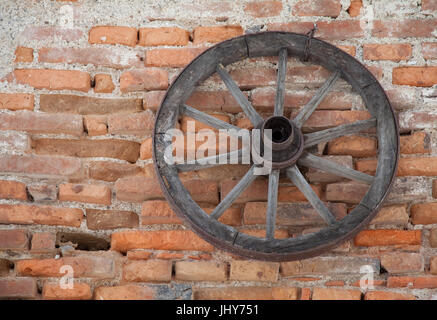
281, 134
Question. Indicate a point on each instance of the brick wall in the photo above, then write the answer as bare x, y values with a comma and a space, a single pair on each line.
79, 89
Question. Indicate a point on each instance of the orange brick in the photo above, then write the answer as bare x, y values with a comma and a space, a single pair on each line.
433, 265
249, 270
246, 293
12, 190
352, 50
16, 101
216, 33
399, 28
89, 193
369, 238
349, 192
324, 119
392, 215
406, 167
356, 146
125, 292
103, 83
163, 37
429, 50
113, 35
14, 240
138, 255
18, 288
111, 171
143, 79
327, 8
395, 52
169, 256
415, 76
23, 54
263, 9
402, 262
423, 282
54, 79
388, 295
110, 219
171, 57
152, 99
305, 294
43, 242
160, 240
140, 123
417, 142
158, 212
95, 125
80, 291
335, 294
198, 125
154, 270
200, 271
355, 8
27, 214
146, 149
424, 213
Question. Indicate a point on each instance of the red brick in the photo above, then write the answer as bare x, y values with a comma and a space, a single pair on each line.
16, 101
141, 123
14, 240
216, 33
111, 171
51, 33
429, 50
434, 189
138, 255
143, 79
84, 148
198, 125
28, 214
89, 193
23, 54
402, 262
159, 240
263, 9
261, 233
83, 266
330, 30
214, 101
43, 242
356, 146
146, 149
125, 292
327, 8
36, 122
424, 213
42, 192
53, 291
349, 192
139, 189
152, 99
171, 57
45, 165
369, 238
119, 58
403, 97
154, 270
335, 294
163, 37
433, 265
110, 219
415, 76
334, 283
5, 267
417, 142
395, 52
406, 166
19, 288
113, 35
423, 282
12, 190
423, 28
429, 6
64, 103
251, 270
158, 212
16, 141
387, 295
200, 271
352, 50
54, 79
95, 125
169, 256
246, 293
355, 8
103, 83
416, 120
324, 119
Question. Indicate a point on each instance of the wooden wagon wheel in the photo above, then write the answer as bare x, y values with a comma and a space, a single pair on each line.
295, 153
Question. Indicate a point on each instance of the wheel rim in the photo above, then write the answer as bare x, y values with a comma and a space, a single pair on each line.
341, 65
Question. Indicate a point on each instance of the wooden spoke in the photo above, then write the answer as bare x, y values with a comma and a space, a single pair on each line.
280, 91
206, 118
209, 162
299, 181
309, 108
234, 193
248, 109
272, 203
310, 160
312, 139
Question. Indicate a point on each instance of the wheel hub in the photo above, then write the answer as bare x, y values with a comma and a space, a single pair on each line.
278, 143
